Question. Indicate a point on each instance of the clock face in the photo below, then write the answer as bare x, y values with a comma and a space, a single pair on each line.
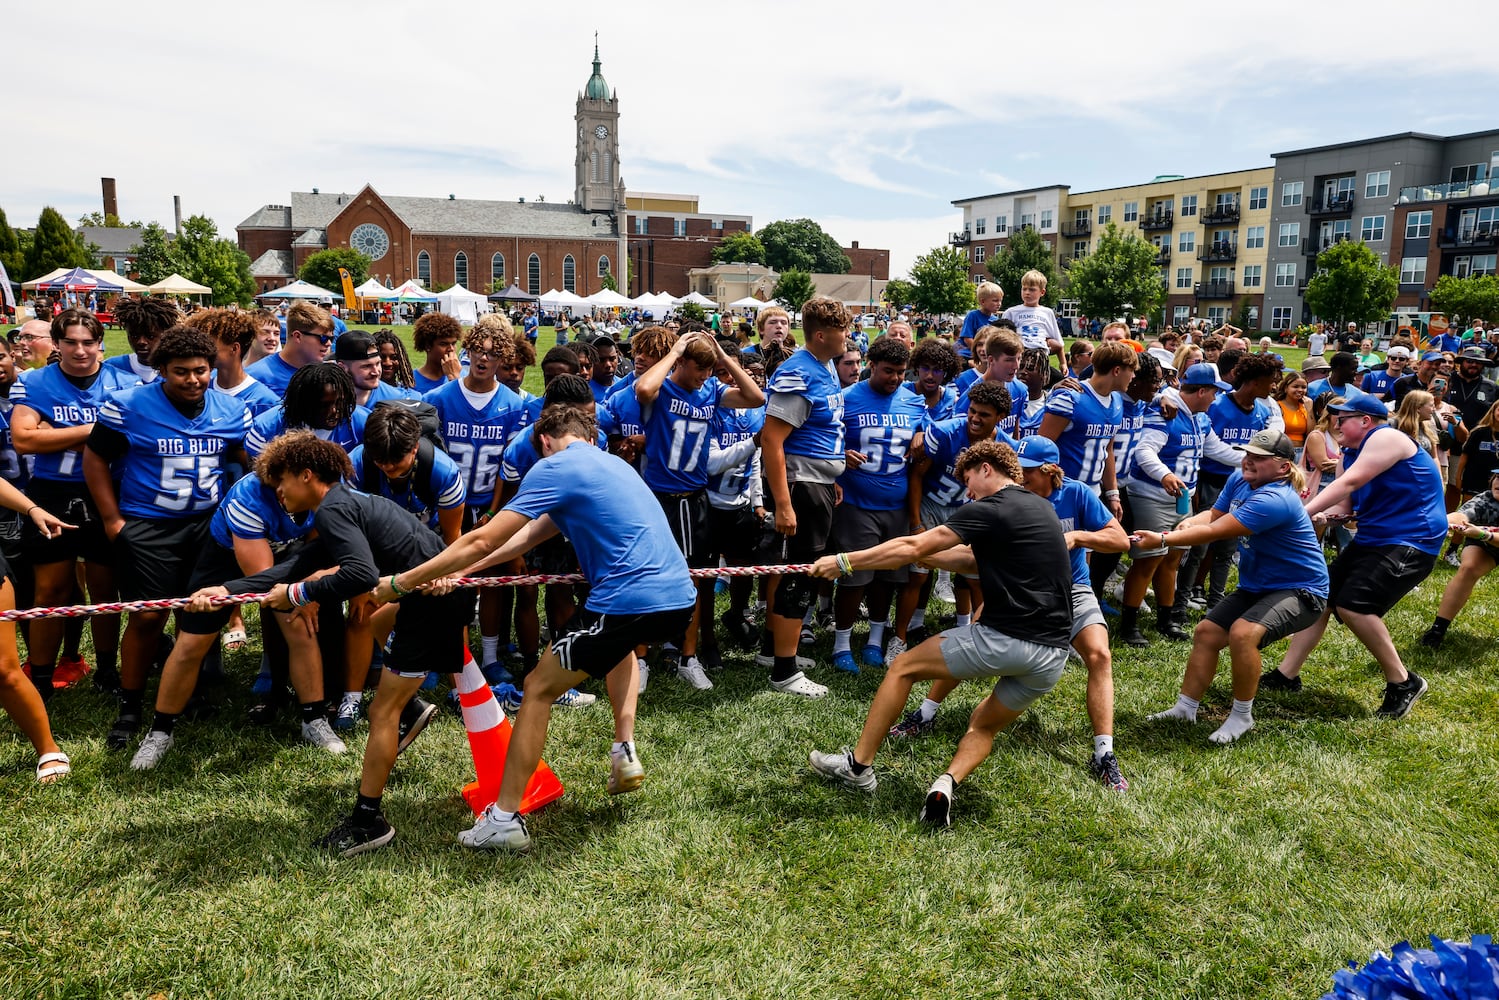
370, 240
602, 131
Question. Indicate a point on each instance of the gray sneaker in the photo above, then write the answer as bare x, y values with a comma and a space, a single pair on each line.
494, 832
152, 749
625, 771
320, 734
841, 767
893, 648
691, 671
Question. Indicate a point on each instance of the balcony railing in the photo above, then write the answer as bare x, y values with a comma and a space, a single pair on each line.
1445, 192
1081, 227
960, 239
1313, 245
1163, 255
1483, 236
1157, 220
1219, 253
1340, 203
1213, 290
1220, 215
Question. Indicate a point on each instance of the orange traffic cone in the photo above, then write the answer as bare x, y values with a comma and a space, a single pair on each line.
488, 736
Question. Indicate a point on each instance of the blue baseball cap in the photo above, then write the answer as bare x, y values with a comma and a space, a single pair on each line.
1365, 404
1036, 451
1203, 374
1433, 356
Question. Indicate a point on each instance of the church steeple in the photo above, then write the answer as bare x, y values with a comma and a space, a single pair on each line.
598, 183
597, 89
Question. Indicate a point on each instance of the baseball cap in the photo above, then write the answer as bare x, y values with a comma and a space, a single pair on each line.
1365, 404
1036, 451
356, 345
1315, 363
1203, 374
1433, 356
1273, 443
1398, 352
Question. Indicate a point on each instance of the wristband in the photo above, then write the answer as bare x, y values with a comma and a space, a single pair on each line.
845, 566
400, 591
297, 594
1111, 494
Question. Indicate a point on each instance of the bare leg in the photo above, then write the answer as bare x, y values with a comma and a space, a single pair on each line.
989, 717
385, 724
1202, 663
1476, 564
18, 696
304, 659
543, 686
138, 647
180, 674
623, 685
1244, 651
925, 662
1371, 631
1302, 644
1092, 644
105, 629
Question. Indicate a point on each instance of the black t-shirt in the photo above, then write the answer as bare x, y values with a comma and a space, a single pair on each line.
1482, 458
1023, 565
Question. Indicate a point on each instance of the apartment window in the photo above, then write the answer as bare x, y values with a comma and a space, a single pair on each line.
1377, 184
1225, 201
679, 227
1285, 275
1220, 275
1046, 222
640, 225
1371, 230
1131, 211
1462, 266
1047, 244
1189, 204
1342, 230
1001, 223
1068, 309
1105, 214
1082, 216
460, 268
979, 279
1280, 318
1028, 219
569, 274
1184, 277
1413, 271
497, 268
718, 224
1079, 249
1259, 198
603, 266
978, 226
1484, 263
1218, 315
978, 255
1418, 225
1254, 275
1290, 234
1180, 314
1469, 173
424, 269
1186, 242
1254, 237
1290, 193
533, 274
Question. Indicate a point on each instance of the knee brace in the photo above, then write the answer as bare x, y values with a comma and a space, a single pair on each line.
794, 596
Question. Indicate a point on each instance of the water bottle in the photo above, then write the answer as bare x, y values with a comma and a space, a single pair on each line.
1183, 503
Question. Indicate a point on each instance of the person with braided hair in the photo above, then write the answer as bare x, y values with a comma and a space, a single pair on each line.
144, 320
395, 364
319, 397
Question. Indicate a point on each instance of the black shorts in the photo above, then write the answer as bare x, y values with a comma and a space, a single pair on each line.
1371, 579
687, 513
855, 528
595, 643
813, 505
734, 534
155, 559
1282, 612
216, 566
70, 502
554, 557
430, 634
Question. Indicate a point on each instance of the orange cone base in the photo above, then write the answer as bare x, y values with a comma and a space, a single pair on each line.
543, 788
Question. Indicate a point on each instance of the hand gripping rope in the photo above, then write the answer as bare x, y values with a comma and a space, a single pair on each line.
168, 604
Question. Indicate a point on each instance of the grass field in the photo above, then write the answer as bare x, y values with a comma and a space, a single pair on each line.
1253, 870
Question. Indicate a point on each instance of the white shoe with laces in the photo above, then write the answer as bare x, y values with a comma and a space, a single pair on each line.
152, 749
645, 674
320, 734
691, 671
494, 831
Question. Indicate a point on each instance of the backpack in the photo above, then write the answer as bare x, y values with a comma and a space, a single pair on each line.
426, 450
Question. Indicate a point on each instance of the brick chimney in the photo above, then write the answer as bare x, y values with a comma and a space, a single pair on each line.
111, 203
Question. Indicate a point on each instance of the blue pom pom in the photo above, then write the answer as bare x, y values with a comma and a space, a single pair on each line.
1448, 970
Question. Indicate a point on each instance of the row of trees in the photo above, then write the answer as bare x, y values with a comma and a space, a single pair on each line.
789, 245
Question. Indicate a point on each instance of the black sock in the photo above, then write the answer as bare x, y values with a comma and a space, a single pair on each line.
1129, 619
41, 676
855, 766
767, 643
163, 722
366, 809
312, 709
1440, 625
785, 667
131, 701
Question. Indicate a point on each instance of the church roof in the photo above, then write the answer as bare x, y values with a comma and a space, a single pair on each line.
463, 216
272, 264
597, 89
268, 217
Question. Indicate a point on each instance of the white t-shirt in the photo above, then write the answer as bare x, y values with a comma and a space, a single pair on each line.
1036, 324
1316, 343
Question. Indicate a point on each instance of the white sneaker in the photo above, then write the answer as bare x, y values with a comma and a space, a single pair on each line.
320, 734
645, 674
152, 749
625, 771
494, 832
840, 767
943, 590
691, 671
573, 698
798, 684
894, 646
802, 662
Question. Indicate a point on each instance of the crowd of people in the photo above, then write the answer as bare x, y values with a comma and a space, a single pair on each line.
1007, 472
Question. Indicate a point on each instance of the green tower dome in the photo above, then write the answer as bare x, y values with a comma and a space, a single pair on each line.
597, 89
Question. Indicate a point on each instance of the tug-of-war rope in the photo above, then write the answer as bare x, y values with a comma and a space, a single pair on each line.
530, 580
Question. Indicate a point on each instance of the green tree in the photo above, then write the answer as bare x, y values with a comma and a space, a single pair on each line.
321, 268
692, 312
1351, 285
201, 255
793, 289
739, 248
899, 292
939, 282
1242, 315
11, 254
1026, 251
152, 255
107, 221
801, 245
607, 281
1119, 278
54, 245
1473, 297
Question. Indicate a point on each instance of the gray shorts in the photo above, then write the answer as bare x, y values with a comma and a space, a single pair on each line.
855, 528
1152, 514
1025, 670
1085, 609
934, 515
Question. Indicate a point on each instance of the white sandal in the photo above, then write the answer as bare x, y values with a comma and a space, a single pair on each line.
52, 767
235, 639
798, 684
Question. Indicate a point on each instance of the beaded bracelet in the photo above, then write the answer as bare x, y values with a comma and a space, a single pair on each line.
400, 591
845, 565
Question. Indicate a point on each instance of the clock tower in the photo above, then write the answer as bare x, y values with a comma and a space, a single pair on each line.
598, 187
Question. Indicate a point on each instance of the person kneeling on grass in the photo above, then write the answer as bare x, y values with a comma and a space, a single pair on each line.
641, 594
1012, 539
1476, 521
1283, 580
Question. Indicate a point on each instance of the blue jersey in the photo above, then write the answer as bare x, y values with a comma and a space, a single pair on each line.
1379, 382
965, 378
1234, 427
943, 442
175, 464
1283, 552
879, 427
634, 567
521, 455
130, 365
1130, 426
253, 393
729, 428
1092, 423
476, 436
272, 424
14, 469
384, 391
678, 428
1079, 509
624, 382
946, 406
54, 398
422, 385
1322, 385
821, 435
273, 372
1177, 442
445, 487
1403, 504
251, 510
1019, 392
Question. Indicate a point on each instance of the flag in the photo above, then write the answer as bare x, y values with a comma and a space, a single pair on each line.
6, 296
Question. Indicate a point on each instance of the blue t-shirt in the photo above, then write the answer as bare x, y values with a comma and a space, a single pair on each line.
1079, 509
521, 455
1092, 423
529, 327
251, 510
1402, 505
1283, 552
445, 487
634, 567
1446, 342
678, 430
729, 428
879, 427
49, 393
1317, 388
385, 390
254, 393
175, 464
944, 442
128, 364
273, 372
821, 434
1378, 382
272, 424
975, 321
1234, 427
421, 384
476, 437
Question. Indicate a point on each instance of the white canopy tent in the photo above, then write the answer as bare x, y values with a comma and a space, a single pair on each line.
462, 304
697, 299
749, 302
407, 291
606, 298
371, 289
647, 300
299, 289
576, 305
176, 284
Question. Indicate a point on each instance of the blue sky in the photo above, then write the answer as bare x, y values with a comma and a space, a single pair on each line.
870, 122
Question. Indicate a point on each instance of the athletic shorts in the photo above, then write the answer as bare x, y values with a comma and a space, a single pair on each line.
1152, 513
687, 513
595, 643
1025, 670
430, 634
555, 556
1085, 609
1488, 549
813, 506
1282, 612
855, 528
216, 566
155, 559
934, 515
1371, 579
70, 502
733, 534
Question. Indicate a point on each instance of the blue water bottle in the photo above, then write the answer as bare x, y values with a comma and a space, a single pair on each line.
1183, 503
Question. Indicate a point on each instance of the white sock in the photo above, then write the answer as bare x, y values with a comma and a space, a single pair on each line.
619, 747
842, 640
1185, 709
877, 633
490, 648
918, 618
944, 784
809, 616
965, 620
1102, 745
928, 709
944, 577
1239, 722
353, 697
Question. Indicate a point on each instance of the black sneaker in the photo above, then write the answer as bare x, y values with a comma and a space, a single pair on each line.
1398, 698
710, 658
913, 725
738, 628
1106, 770
414, 718
1134, 638
262, 713
917, 636
123, 731
1170, 630
1274, 680
936, 811
1432, 637
107, 681
349, 838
